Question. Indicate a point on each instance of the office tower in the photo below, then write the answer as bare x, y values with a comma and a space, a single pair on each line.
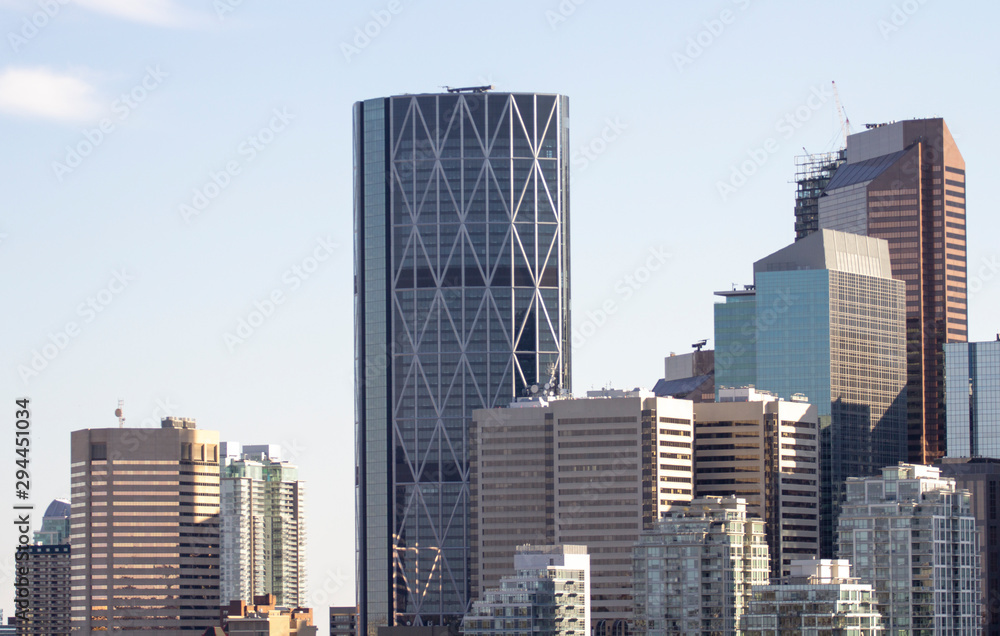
263, 526
819, 597
55, 524
343, 621
267, 617
48, 609
689, 376
592, 471
812, 175
766, 451
461, 205
911, 534
972, 385
145, 532
981, 477
825, 318
905, 182
549, 595
694, 569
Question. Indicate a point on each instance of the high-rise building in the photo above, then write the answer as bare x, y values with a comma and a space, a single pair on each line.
48, 584
55, 524
981, 477
812, 175
972, 381
263, 526
461, 204
693, 570
819, 598
905, 182
592, 471
689, 376
825, 319
548, 595
766, 451
911, 533
145, 529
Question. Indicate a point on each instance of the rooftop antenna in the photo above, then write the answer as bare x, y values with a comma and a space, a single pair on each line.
120, 413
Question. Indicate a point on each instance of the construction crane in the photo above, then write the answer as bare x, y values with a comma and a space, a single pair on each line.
845, 122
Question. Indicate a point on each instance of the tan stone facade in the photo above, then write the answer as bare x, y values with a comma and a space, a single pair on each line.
145, 529
766, 452
578, 471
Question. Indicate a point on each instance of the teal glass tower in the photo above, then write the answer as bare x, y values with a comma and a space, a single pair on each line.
461, 204
825, 319
972, 387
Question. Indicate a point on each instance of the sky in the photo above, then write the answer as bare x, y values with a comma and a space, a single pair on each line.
176, 226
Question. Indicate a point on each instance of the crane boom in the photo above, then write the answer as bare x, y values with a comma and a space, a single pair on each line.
845, 122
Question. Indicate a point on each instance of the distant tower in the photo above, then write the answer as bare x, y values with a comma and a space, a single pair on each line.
905, 182
146, 511
263, 526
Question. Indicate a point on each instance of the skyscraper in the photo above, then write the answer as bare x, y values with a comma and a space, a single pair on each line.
905, 182
461, 206
764, 450
145, 532
972, 379
825, 318
263, 526
55, 524
595, 471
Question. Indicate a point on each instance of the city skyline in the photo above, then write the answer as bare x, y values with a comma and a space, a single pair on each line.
682, 148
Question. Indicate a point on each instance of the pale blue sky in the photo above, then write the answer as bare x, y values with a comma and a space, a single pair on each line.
202, 86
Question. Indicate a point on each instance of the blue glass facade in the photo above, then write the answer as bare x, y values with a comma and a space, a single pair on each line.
735, 341
461, 301
972, 385
838, 338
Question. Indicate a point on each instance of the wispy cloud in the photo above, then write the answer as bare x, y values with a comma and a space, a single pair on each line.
165, 13
41, 93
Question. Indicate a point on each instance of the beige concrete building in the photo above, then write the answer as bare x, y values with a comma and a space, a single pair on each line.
766, 451
264, 617
589, 471
144, 529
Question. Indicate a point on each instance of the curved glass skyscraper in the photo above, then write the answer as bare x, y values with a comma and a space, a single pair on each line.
461, 205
